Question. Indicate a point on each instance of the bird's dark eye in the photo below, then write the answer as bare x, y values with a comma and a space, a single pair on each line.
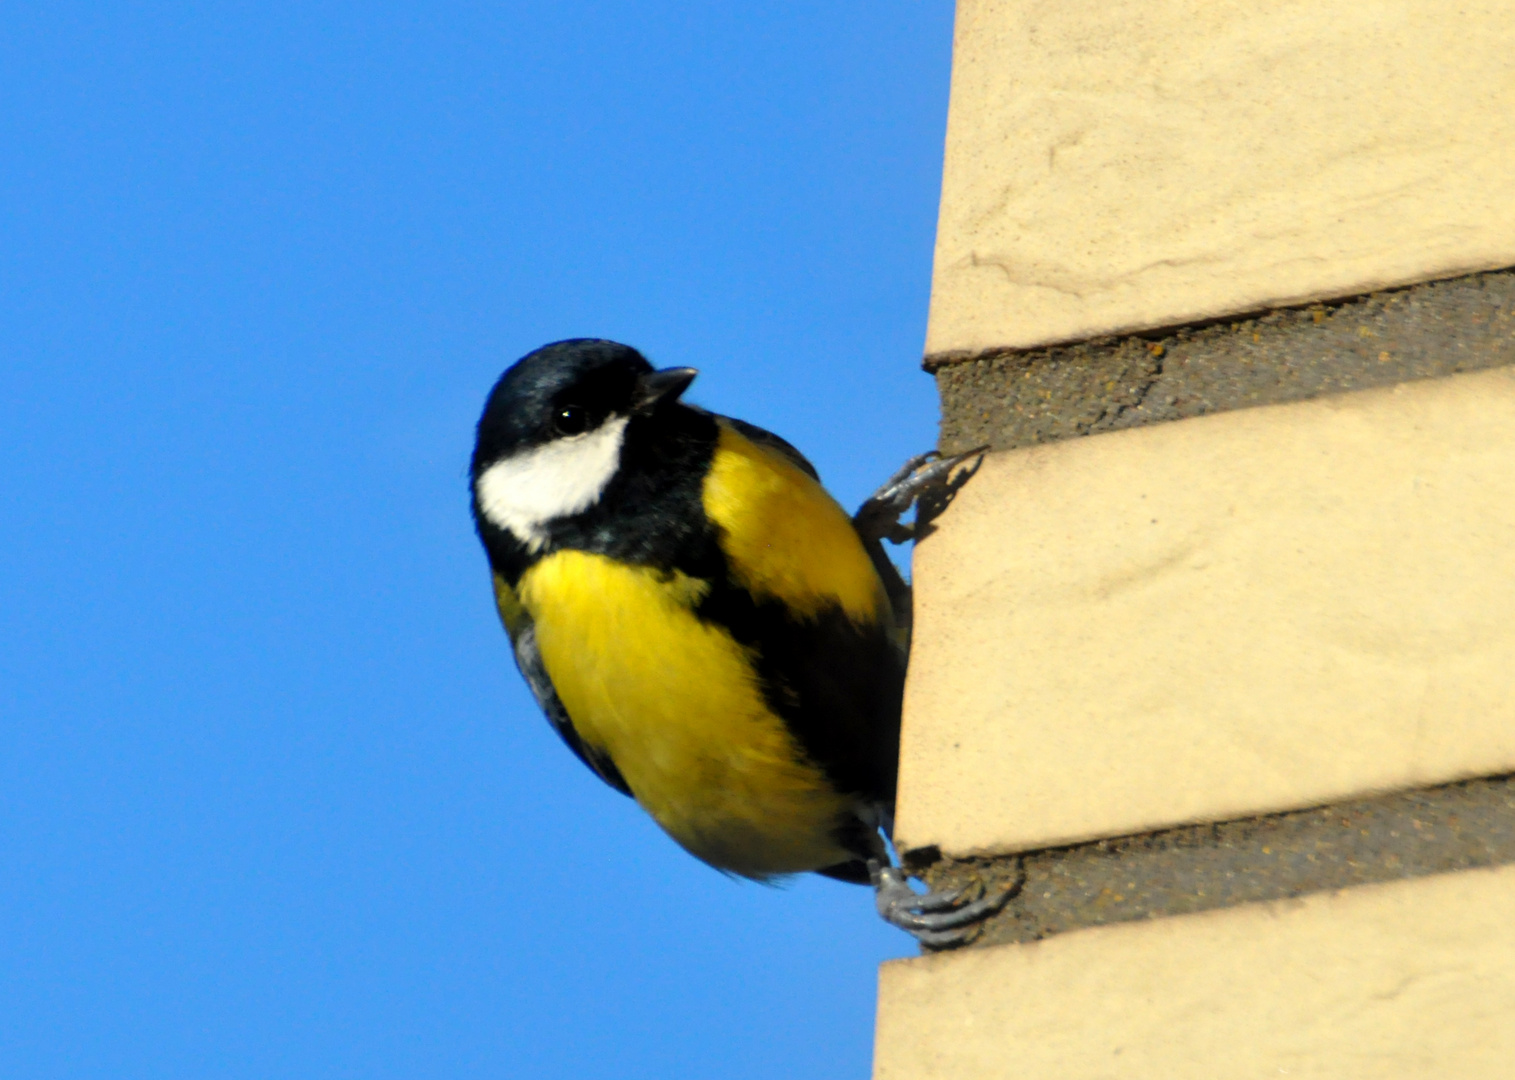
571, 420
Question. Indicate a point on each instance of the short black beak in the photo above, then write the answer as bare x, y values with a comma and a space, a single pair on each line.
660, 386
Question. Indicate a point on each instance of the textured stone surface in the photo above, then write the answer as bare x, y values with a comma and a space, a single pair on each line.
1278, 856
1137, 164
1042, 395
1412, 980
1260, 610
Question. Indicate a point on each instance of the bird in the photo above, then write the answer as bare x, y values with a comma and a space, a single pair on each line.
701, 623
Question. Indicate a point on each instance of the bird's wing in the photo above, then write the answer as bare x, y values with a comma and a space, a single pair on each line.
804, 595
763, 437
529, 660
894, 584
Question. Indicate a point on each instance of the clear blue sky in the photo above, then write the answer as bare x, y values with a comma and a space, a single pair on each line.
275, 802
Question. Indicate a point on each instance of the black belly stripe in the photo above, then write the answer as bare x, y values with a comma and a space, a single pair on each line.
838, 687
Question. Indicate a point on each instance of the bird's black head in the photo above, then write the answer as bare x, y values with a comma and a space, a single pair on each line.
551, 434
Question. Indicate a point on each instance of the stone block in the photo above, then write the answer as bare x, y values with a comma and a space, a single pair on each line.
1412, 980
1203, 620
1140, 164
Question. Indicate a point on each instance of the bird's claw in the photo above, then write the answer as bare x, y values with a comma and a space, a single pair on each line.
936, 919
879, 516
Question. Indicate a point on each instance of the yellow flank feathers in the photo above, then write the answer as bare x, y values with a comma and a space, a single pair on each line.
675, 703
784, 536
509, 606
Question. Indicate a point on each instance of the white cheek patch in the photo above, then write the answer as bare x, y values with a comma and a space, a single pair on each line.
525, 491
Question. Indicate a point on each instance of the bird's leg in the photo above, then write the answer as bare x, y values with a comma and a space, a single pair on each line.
879, 516
878, 519
938, 920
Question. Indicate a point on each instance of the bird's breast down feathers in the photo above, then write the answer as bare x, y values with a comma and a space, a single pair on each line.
672, 699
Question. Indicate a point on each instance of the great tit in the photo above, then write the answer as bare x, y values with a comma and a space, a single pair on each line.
700, 621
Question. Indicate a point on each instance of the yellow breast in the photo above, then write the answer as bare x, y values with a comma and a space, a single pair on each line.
674, 702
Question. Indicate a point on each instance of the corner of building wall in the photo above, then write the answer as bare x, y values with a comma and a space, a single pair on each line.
1214, 662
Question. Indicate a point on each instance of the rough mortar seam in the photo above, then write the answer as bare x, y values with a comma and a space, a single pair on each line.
1193, 868
1008, 399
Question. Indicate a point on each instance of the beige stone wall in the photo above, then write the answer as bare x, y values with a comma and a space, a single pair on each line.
1182, 665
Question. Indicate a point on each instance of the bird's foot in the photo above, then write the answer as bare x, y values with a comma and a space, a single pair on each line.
938, 920
879, 516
